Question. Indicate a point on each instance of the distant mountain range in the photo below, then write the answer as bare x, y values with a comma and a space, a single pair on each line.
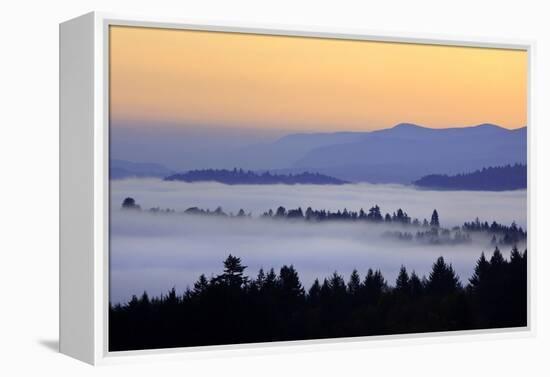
401, 154
239, 176
500, 178
120, 169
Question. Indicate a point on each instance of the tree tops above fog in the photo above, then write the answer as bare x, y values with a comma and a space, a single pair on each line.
130, 203
242, 177
425, 231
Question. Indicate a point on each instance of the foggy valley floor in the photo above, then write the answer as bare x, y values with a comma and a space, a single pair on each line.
155, 253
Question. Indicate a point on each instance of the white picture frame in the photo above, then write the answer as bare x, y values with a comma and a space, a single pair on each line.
84, 187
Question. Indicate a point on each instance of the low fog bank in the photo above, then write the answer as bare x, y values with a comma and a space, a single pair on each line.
155, 252
454, 207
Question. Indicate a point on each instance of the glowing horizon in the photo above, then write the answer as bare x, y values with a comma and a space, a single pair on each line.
192, 78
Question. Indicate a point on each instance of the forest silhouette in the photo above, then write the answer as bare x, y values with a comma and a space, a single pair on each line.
249, 177
494, 178
232, 307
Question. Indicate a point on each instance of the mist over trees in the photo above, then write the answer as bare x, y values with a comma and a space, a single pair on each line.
501, 234
426, 232
234, 308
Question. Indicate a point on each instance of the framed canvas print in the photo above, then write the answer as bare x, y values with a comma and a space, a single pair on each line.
232, 187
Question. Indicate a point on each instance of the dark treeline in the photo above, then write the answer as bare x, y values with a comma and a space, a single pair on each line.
242, 177
233, 308
499, 178
374, 214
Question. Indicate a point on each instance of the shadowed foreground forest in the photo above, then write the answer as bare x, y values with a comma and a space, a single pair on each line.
233, 308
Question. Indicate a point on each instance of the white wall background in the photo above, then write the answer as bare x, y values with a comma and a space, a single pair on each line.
29, 186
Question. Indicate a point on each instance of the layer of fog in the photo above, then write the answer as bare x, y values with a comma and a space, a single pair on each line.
454, 207
154, 253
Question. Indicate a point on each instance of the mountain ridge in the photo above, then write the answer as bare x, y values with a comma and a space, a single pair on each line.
407, 152
399, 154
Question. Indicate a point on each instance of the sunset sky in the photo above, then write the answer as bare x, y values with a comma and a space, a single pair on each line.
193, 78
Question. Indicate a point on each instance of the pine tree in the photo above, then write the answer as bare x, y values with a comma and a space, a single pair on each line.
497, 259
326, 291
354, 284
270, 282
281, 212
480, 273
232, 273
314, 293
374, 214
289, 283
443, 279
373, 285
201, 285
337, 284
434, 222
515, 255
171, 299
416, 286
402, 283
260, 279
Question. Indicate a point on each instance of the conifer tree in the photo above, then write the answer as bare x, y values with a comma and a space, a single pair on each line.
480, 273
402, 283
434, 222
260, 279
497, 260
337, 284
314, 293
289, 283
443, 279
270, 282
354, 284
416, 286
373, 285
232, 273
201, 285
281, 212
171, 299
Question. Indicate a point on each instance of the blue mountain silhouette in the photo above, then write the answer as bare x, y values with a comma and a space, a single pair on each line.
407, 152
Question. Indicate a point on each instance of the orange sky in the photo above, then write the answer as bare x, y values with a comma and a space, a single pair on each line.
191, 78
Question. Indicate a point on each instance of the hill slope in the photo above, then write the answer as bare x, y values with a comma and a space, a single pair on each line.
501, 178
